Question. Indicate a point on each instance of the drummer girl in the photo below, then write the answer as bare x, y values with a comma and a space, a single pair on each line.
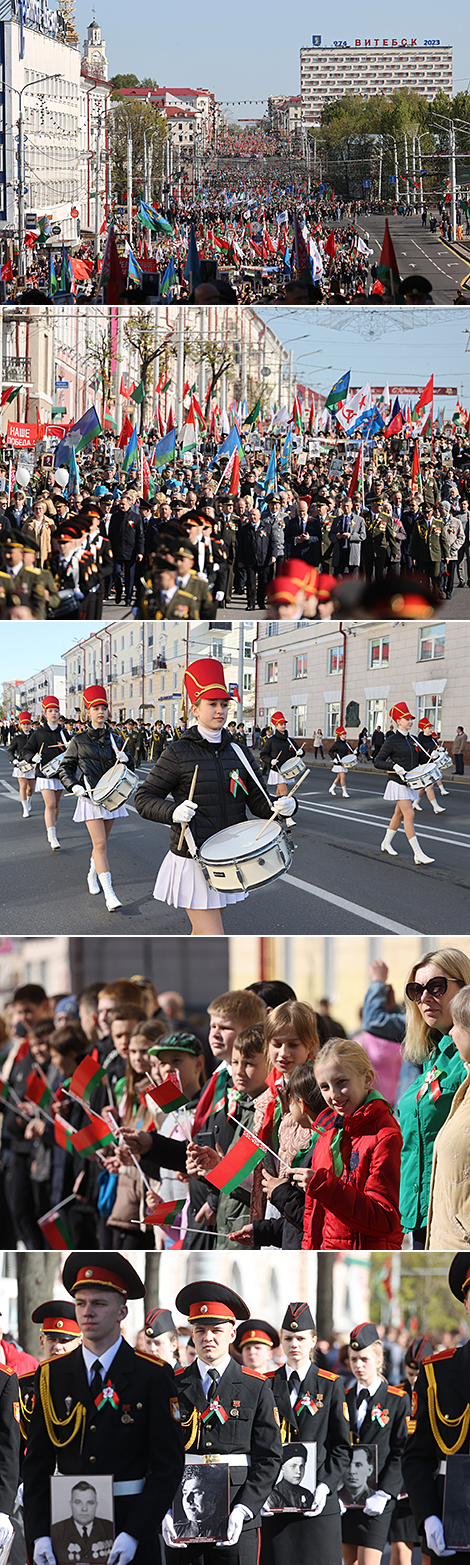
47, 742
16, 751
338, 749
430, 743
378, 1414
222, 790
92, 753
278, 748
400, 754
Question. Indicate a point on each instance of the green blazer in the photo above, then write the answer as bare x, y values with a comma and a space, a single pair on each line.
419, 1124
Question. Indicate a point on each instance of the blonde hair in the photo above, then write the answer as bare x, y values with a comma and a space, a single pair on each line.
460, 1008
378, 1352
349, 1052
300, 1016
239, 1006
419, 1038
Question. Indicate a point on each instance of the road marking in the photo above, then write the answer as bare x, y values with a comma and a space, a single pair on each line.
454, 839
10, 789
352, 907
428, 257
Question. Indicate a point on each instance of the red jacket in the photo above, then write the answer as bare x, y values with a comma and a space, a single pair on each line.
15, 1358
359, 1209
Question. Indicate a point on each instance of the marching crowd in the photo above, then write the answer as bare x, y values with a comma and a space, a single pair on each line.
265, 1127
314, 543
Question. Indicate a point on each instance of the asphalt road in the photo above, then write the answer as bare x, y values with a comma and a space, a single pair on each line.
417, 250
237, 607
338, 883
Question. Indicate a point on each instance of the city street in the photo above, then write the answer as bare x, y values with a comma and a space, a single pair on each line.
339, 882
417, 250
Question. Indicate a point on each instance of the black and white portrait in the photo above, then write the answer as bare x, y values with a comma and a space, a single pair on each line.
201, 1504
82, 1519
295, 1487
456, 1517
362, 1479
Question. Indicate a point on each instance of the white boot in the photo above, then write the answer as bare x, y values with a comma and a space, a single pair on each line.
26, 808
92, 880
52, 838
417, 806
386, 845
438, 808
418, 855
29, 803
345, 793
112, 901
442, 789
333, 788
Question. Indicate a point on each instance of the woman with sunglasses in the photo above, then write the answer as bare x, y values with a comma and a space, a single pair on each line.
400, 754
424, 1107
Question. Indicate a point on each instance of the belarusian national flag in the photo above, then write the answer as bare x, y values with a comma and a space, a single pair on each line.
297, 416
37, 1091
415, 472
238, 1162
93, 1138
168, 1095
212, 1097
86, 1077
387, 270
164, 1214
4, 1090
64, 1134
56, 1232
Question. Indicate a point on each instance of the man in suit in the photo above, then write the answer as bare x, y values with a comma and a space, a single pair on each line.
104, 1409
126, 536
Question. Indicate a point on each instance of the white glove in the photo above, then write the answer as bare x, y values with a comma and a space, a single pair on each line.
219, 597
376, 1503
124, 1548
320, 1498
79, 790
168, 1533
19, 1494
6, 1528
184, 812
77, 594
342, 1507
285, 807
435, 1536
399, 769
235, 1522
43, 1553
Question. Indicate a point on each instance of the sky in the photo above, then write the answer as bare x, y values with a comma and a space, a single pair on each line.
435, 344
253, 51
27, 648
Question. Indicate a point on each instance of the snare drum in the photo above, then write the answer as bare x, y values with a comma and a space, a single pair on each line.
23, 769
293, 768
442, 759
345, 763
234, 860
115, 786
51, 768
422, 776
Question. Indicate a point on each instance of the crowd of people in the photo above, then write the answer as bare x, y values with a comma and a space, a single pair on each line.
318, 541
325, 1132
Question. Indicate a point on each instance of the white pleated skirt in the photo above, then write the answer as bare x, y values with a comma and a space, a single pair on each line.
86, 810
26, 776
181, 883
49, 782
274, 777
396, 790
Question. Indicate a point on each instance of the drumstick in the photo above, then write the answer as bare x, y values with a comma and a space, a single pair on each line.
273, 817
190, 798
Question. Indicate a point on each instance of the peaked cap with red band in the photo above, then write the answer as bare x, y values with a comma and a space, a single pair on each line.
459, 1276
57, 1315
95, 695
210, 1301
400, 710
110, 1271
50, 703
25, 717
256, 1331
206, 679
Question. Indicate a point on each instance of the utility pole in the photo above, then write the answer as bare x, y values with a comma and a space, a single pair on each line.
420, 170
452, 178
180, 370
405, 138
118, 398
241, 645
21, 258
36, 1275
129, 181
381, 157
97, 182
146, 193
291, 372
396, 168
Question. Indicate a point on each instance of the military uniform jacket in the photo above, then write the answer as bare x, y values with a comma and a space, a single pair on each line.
250, 1429
69, 1543
9, 1439
441, 1393
183, 605
385, 1426
327, 1423
26, 589
139, 1438
26, 1396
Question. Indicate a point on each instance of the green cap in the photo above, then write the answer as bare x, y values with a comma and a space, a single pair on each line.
183, 1042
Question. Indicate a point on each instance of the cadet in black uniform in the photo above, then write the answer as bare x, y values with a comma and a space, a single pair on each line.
403, 1535
227, 1411
105, 1409
378, 1414
9, 1447
16, 749
439, 1426
311, 1407
59, 1333
255, 1341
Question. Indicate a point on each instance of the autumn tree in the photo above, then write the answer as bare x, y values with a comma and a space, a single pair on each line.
142, 117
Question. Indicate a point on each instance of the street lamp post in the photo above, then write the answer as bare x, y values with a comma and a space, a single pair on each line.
28, 87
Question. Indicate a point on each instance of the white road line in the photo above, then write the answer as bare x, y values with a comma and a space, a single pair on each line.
352, 907
10, 789
453, 838
428, 257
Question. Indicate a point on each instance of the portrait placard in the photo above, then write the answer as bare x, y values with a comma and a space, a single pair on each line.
202, 1502
82, 1518
362, 1478
295, 1487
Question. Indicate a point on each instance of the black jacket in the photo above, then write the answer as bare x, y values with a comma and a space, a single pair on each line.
327, 1424
217, 806
9, 1439
89, 753
17, 746
126, 534
252, 1431
400, 750
389, 1439
256, 545
340, 748
48, 741
278, 747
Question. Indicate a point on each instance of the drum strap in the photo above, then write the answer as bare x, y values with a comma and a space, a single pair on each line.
245, 762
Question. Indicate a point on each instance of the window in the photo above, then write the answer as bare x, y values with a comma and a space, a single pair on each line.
150, 687
379, 652
175, 679
431, 707
217, 648
132, 638
335, 660
432, 643
175, 649
122, 643
300, 664
376, 716
299, 722
270, 677
273, 629
332, 710
162, 682
247, 681
131, 689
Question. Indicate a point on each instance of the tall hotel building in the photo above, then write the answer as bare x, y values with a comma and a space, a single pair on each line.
371, 67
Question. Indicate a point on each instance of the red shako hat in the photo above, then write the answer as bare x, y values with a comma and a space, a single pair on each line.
25, 717
50, 704
206, 678
95, 695
278, 717
400, 710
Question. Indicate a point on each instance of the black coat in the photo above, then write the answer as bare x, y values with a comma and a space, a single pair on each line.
256, 547
126, 535
48, 741
250, 1430
399, 750
146, 1443
328, 1425
277, 747
217, 806
17, 746
338, 749
390, 1440
9, 1439
89, 753
424, 1453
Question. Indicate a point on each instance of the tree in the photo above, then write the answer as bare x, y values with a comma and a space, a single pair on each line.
99, 356
139, 332
140, 116
217, 356
36, 1274
325, 1273
423, 1293
124, 81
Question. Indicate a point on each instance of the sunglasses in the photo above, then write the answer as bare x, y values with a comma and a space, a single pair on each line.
436, 988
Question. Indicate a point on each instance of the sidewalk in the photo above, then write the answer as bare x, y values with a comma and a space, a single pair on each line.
368, 766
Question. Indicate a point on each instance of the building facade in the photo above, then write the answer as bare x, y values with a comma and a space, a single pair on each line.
29, 694
320, 675
371, 67
143, 665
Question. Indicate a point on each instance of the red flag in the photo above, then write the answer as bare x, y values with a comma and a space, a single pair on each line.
427, 394
122, 389
125, 434
111, 271
356, 475
6, 273
301, 252
388, 257
330, 246
235, 479
170, 423
415, 473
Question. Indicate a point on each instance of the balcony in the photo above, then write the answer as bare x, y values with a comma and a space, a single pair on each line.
16, 372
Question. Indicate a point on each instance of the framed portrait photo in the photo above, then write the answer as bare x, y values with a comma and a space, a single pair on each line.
202, 1503
362, 1478
295, 1487
82, 1518
456, 1515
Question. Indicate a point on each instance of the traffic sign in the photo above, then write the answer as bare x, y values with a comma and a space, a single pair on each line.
61, 385
30, 220
74, 212
366, 184
56, 228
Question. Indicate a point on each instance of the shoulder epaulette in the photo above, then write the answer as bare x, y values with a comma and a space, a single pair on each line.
254, 1372
269, 1374
6, 1369
151, 1358
397, 1391
327, 1374
435, 1357
26, 1374
179, 1369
